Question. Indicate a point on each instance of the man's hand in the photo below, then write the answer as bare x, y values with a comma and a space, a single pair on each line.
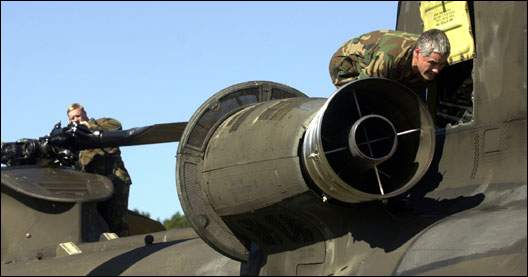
86, 123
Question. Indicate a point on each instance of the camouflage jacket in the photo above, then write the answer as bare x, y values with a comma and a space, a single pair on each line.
104, 161
382, 54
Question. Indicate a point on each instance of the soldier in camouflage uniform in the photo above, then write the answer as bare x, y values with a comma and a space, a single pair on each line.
408, 58
106, 162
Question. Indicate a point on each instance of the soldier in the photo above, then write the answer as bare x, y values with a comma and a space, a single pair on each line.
106, 162
404, 57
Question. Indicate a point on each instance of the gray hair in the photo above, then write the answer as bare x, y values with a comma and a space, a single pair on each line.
433, 40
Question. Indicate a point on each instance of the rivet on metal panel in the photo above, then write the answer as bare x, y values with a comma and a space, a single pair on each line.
215, 106
476, 145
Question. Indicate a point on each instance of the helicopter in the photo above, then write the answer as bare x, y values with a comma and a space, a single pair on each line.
373, 180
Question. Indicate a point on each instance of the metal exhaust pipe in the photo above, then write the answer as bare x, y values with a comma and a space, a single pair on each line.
373, 139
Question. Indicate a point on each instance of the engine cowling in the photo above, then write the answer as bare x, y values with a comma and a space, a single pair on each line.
257, 147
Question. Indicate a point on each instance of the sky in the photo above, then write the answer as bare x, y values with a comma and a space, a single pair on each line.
146, 63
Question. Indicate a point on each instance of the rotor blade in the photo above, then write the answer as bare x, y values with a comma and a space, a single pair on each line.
158, 133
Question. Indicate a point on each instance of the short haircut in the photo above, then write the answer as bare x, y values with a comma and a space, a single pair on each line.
433, 40
74, 106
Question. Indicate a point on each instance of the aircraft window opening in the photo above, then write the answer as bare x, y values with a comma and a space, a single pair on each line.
454, 100
451, 101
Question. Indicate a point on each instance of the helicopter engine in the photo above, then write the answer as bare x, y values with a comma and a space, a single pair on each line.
259, 162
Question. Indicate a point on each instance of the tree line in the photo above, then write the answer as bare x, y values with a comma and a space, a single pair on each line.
177, 220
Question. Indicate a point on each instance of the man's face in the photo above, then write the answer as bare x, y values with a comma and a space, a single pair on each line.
429, 67
78, 115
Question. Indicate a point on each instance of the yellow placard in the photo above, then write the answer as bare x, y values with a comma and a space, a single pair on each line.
70, 248
452, 17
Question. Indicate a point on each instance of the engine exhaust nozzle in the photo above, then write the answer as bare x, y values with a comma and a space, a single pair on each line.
372, 139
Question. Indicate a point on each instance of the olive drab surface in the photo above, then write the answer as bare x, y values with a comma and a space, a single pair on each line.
382, 54
373, 180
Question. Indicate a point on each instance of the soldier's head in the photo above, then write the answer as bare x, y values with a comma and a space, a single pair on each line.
431, 53
76, 113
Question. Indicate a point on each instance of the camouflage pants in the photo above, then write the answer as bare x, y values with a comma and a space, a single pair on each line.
114, 209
